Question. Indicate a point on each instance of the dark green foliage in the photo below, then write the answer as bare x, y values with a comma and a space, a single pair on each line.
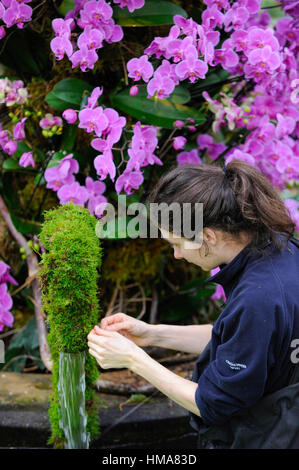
69, 281
26, 53
157, 112
23, 346
153, 13
68, 93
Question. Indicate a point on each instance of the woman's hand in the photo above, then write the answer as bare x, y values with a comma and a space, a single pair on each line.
111, 349
135, 330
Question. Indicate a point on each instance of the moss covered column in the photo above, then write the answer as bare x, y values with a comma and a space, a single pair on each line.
69, 277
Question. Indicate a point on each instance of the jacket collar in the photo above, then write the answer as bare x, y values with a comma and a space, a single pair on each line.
229, 272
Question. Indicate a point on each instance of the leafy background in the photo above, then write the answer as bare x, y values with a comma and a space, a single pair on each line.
129, 266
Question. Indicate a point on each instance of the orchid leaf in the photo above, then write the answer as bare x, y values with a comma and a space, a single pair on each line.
68, 93
69, 137
153, 13
154, 111
10, 164
66, 6
26, 52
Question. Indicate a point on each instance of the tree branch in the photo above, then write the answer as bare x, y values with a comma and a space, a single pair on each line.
154, 306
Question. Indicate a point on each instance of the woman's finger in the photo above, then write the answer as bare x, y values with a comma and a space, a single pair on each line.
96, 348
100, 360
93, 353
97, 334
108, 329
124, 325
116, 318
100, 331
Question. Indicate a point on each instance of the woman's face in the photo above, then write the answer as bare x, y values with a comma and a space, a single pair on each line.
190, 251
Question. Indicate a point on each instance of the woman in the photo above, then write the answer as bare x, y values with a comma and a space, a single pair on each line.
243, 391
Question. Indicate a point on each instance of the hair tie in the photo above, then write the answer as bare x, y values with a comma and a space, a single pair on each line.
228, 172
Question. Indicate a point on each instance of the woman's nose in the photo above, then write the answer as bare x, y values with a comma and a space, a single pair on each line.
176, 253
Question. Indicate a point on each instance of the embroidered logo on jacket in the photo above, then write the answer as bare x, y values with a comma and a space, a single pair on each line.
235, 365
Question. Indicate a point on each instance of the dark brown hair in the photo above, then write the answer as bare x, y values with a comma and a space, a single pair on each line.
237, 198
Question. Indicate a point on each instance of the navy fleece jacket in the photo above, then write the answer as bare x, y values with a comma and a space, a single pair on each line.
251, 339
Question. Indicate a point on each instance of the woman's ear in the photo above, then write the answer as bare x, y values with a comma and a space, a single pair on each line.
210, 236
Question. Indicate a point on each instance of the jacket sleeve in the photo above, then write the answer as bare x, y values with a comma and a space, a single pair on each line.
235, 379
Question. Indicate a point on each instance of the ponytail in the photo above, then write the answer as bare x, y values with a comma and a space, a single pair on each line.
261, 207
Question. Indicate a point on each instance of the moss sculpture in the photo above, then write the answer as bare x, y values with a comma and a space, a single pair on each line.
69, 287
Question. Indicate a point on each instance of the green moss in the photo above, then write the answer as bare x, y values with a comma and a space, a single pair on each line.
28, 400
69, 277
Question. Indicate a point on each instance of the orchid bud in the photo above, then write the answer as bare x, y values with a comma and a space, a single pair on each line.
178, 123
134, 90
2, 32
70, 115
